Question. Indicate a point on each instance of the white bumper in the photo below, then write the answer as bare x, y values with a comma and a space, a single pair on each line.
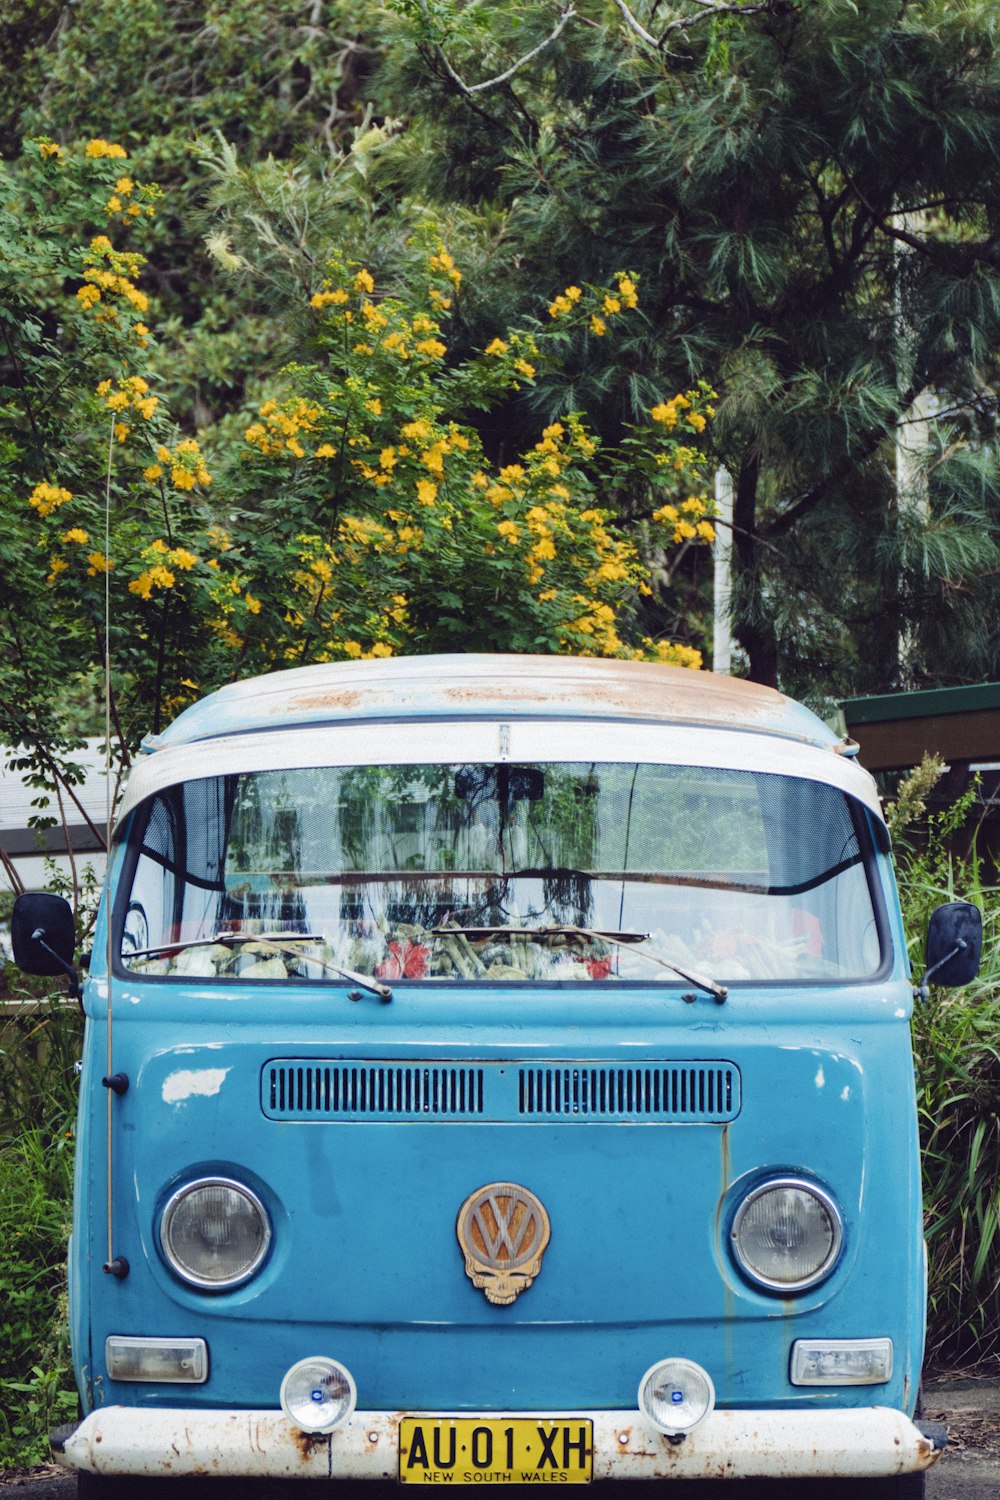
860, 1443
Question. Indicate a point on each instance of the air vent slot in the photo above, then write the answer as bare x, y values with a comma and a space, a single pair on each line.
668, 1092
657, 1092
298, 1089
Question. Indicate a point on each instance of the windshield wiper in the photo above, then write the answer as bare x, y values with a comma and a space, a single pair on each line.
719, 992
558, 930
281, 942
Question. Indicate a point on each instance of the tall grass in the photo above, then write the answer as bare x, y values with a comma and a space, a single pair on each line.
37, 1118
956, 1038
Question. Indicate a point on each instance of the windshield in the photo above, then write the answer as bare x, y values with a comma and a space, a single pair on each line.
501, 873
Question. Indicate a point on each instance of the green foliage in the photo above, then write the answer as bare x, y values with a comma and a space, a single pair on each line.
958, 1083
359, 515
156, 74
806, 192
809, 195
37, 1115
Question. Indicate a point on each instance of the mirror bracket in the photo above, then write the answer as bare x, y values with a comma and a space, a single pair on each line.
73, 989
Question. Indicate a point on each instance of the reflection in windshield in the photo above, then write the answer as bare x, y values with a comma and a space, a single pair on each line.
500, 873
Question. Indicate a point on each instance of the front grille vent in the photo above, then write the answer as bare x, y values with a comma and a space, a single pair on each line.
660, 1092
355, 1091
673, 1091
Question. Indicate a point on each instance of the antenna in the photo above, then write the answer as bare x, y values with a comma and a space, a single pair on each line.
115, 1083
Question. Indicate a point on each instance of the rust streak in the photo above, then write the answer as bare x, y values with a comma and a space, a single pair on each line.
669, 694
346, 701
308, 1443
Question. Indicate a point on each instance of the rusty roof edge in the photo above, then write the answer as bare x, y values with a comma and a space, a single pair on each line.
523, 687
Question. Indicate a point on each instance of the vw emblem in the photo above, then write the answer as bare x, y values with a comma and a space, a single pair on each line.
503, 1231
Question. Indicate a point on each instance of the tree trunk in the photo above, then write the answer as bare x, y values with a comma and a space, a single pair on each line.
752, 626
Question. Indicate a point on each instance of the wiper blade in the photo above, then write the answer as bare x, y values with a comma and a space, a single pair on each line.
281, 942
551, 931
226, 938
719, 992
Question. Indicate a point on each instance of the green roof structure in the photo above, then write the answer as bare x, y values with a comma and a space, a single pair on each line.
896, 730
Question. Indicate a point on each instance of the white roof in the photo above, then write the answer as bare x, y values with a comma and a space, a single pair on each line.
498, 739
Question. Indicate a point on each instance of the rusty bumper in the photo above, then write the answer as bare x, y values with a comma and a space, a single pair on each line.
858, 1443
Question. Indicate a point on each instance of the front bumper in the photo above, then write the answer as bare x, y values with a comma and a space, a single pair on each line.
861, 1442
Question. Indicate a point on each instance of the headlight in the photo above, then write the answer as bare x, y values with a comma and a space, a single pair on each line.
676, 1395
786, 1235
318, 1394
214, 1233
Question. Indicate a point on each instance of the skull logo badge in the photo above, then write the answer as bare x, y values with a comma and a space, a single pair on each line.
503, 1231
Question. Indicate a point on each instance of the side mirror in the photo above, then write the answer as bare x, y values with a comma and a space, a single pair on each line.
954, 945
43, 936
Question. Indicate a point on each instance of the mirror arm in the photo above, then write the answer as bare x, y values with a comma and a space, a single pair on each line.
74, 991
924, 987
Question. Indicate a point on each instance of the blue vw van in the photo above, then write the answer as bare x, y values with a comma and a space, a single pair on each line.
497, 1070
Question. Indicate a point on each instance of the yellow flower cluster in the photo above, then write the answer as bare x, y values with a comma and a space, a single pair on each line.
45, 498
387, 326
105, 149
688, 521
227, 591
124, 204
185, 463
627, 288
598, 627
516, 345
535, 505
562, 305
283, 427
131, 394
110, 275
328, 298
315, 583
358, 533
221, 627
617, 560
49, 151
669, 413
165, 562
602, 306
442, 264
670, 653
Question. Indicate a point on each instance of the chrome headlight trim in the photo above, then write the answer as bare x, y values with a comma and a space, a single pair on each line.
826, 1201
191, 1278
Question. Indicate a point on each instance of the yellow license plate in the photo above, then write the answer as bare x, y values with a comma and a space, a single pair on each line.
511, 1450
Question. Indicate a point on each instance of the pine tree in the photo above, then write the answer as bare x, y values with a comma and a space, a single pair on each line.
811, 196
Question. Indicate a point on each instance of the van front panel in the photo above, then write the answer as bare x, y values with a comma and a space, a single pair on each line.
365, 1263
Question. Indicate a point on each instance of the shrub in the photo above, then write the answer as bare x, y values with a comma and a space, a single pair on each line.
956, 1038
37, 1108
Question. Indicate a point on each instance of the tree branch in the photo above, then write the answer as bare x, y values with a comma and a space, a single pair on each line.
708, 8
477, 88
16, 883
884, 222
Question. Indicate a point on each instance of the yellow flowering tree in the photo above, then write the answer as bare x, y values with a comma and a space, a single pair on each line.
407, 535
355, 513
